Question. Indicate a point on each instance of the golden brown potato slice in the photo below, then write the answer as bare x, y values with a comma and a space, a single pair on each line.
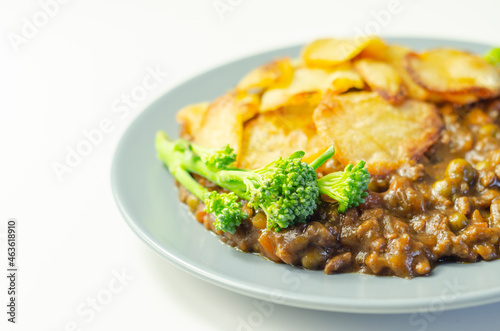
328, 53
394, 54
363, 126
247, 104
305, 87
454, 75
343, 79
276, 99
458, 99
221, 125
279, 133
190, 117
276, 74
376, 50
308, 86
383, 79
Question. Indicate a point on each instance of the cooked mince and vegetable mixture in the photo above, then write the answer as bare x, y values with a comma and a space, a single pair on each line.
358, 156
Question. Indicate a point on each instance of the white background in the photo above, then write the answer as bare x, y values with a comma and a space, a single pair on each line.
65, 78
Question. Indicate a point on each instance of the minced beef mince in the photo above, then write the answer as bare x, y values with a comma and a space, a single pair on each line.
443, 207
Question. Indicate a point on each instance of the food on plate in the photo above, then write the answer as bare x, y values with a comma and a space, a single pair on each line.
222, 124
277, 73
364, 126
343, 79
493, 56
286, 190
305, 88
454, 75
308, 86
279, 133
191, 117
327, 53
358, 156
382, 78
394, 54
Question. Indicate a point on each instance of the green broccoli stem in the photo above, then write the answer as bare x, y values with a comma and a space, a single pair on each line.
323, 158
166, 149
243, 182
347, 187
186, 180
170, 153
180, 160
222, 178
197, 149
493, 56
333, 185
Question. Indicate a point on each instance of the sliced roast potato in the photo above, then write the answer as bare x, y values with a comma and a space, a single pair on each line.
191, 117
221, 125
305, 87
308, 86
383, 79
394, 54
364, 126
277, 99
276, 74
279, 133
328, 53
343, 79
454, 75
247, 104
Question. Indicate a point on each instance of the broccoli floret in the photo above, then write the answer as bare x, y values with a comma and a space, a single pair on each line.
224, 206
286, 190
347, 187
226, 209
493, 56
215, 159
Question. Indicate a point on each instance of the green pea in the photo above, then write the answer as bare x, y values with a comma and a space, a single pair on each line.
443, 188
313, 259
462, 170
192, 202
457, 221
